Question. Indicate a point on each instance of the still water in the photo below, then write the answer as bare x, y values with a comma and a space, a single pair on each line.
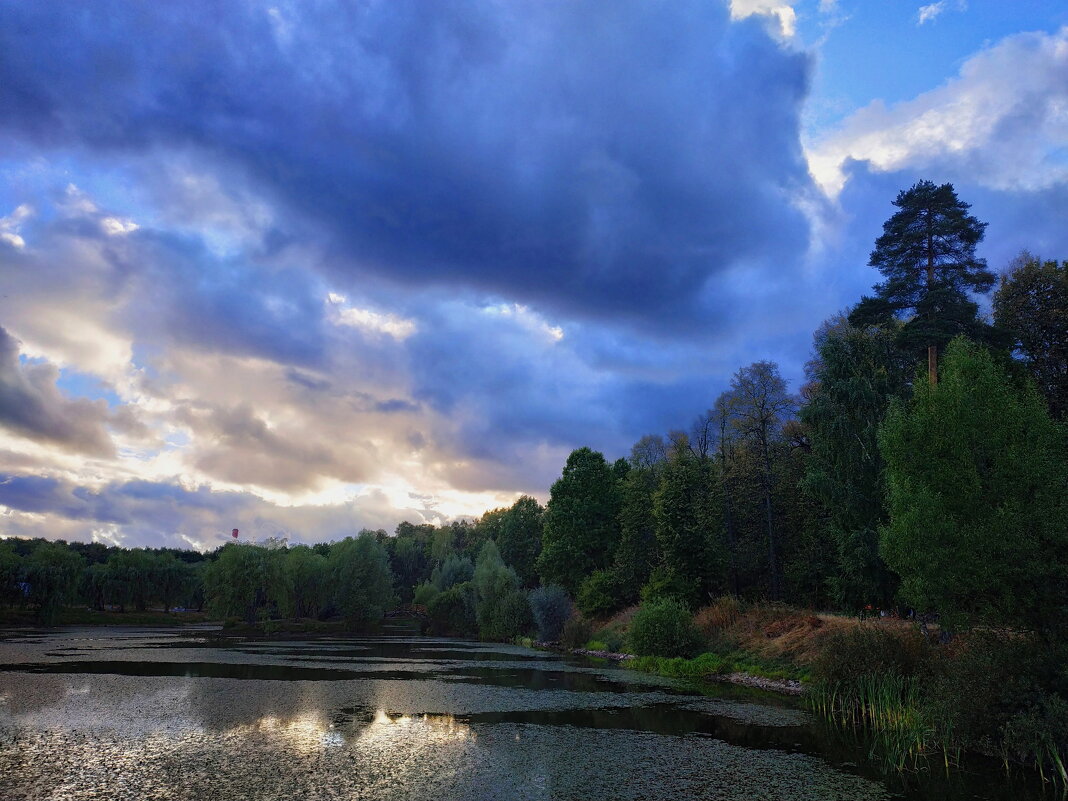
158, 714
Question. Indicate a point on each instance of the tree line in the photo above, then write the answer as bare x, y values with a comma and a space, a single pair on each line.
923, 462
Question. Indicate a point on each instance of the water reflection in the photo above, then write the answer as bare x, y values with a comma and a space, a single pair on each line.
84, 715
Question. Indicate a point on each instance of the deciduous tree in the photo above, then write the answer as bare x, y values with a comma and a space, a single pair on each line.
1031, 304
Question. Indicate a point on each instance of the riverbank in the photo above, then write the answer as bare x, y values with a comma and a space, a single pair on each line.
80, 616
707, 667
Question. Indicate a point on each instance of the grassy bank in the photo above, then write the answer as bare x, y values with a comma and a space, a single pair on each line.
769, 641
711, 664
916, 703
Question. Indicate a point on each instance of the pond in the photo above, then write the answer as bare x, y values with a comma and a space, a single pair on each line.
157, 713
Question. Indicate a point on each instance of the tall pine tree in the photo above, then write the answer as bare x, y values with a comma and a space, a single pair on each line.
927, 255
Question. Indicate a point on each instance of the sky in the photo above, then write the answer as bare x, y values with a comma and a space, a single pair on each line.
302, 268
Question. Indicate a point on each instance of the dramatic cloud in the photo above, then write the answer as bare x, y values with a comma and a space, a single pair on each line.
32, 406
305, 268
592, 159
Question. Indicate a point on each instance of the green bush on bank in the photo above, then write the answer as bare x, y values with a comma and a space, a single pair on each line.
664, 627
576, 632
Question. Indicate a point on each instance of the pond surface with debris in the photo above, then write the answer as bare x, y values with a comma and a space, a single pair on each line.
91, 713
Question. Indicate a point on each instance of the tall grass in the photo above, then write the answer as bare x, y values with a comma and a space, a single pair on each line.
887, 705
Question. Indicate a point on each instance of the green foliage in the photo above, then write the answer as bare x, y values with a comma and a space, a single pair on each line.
132, 577
52, 572
886, 704
716, 664
853, 378
926, 253
611, 637
576, 632
236, 582
425, 593
664, 627
362, 580
664, 583
456, 569
581, 529
978, 497
1031, 305
502, 610
452, 612
513, 618
171, 579
10, 574
409, 563
687, 520
759, 406
307, 576
600, 594
551, 608
637, 551
519, 538
1038, 736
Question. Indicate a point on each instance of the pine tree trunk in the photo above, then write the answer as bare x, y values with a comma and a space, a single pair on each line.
932, 349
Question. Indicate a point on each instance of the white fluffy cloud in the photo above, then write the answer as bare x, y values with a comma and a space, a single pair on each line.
1001, 123
782, 13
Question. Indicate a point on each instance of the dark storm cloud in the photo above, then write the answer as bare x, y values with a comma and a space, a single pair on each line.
32, 406
604, 159
229, 305
168, 288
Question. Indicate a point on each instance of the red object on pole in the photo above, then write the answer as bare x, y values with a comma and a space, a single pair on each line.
235, 534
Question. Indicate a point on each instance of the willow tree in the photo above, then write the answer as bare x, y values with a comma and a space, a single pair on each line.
927, 255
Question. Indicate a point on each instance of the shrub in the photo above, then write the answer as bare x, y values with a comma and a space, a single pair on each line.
424, 594
509, 619
1039, 735
664, 628
866, 650
502, 610
611, 637
551, 608
453, 611
975, 685
577, 631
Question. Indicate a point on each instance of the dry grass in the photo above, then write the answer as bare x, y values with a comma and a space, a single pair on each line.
776, 631
620, 620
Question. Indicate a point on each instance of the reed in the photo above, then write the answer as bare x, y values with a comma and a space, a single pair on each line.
887, 706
